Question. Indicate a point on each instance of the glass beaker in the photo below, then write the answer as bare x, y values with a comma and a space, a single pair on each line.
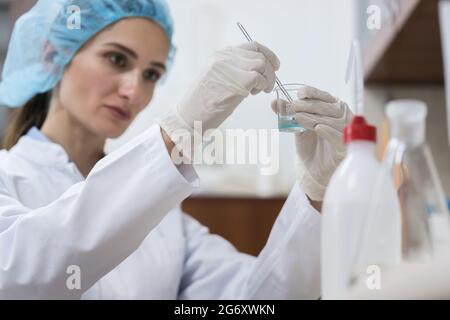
285, 111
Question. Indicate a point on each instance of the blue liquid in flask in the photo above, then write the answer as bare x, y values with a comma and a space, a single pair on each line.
289, 124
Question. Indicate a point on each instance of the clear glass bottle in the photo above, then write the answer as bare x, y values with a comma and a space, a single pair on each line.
424, 213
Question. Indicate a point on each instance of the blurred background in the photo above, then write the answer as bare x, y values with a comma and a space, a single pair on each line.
402, 59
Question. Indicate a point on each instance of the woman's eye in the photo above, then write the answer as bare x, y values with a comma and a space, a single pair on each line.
117, 60
152, 75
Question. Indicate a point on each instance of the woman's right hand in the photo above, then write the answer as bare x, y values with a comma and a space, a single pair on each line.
234, 73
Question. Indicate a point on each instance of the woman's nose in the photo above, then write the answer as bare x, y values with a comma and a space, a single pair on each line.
132, 87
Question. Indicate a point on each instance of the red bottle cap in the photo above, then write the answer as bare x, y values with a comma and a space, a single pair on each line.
359, 129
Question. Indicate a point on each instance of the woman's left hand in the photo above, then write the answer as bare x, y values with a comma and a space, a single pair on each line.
321, 148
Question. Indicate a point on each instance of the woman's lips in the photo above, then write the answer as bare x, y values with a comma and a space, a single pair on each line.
119, 113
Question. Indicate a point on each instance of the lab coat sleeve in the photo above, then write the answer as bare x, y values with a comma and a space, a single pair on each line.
287, 268
94, 226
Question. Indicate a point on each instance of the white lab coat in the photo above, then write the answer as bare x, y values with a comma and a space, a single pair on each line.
123, 227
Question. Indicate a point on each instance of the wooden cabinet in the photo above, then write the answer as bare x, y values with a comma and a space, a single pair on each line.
407, 50
245, 222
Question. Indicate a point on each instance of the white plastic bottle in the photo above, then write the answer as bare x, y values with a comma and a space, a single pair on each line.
361, 216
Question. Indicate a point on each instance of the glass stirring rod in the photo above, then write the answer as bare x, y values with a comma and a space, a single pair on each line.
277, 80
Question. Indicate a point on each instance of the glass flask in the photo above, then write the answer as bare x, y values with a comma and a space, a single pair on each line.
425, 225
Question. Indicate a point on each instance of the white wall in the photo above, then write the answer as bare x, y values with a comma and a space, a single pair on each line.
311, 38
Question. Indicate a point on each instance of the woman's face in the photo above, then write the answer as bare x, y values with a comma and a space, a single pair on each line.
113, 77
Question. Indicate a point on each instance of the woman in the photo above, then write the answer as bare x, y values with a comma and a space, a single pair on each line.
116, 219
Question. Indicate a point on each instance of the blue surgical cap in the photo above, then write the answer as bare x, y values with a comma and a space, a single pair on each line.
46, 38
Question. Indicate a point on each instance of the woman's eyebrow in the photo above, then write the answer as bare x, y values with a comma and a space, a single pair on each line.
123, 48
134, 54
159, 65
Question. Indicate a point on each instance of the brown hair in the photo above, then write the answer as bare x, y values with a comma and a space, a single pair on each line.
33, 114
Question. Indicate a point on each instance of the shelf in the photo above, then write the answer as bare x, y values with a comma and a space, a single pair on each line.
409, 50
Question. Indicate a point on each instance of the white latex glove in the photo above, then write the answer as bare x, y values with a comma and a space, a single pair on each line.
321, 148
235, 73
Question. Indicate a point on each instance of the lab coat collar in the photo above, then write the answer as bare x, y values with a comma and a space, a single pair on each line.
36, 134
39, 151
